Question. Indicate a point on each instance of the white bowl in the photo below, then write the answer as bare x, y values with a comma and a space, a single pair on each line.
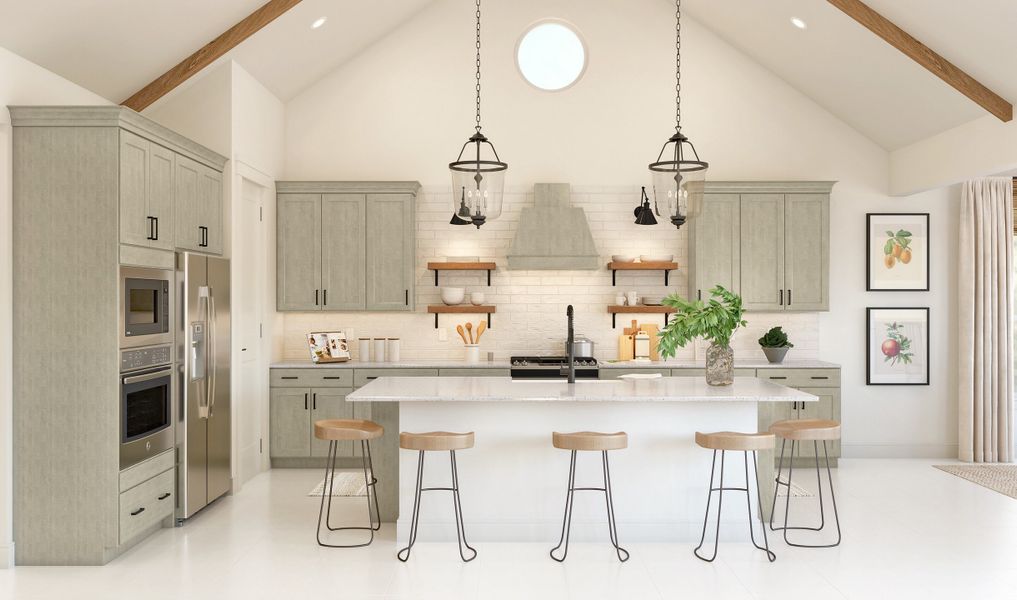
453, 295
652, 300
477, 298
623, 258
656, 257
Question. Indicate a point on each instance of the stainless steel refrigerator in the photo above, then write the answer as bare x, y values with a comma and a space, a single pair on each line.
203, 353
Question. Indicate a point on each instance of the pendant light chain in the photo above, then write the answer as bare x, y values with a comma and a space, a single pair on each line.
478, 67
677, 65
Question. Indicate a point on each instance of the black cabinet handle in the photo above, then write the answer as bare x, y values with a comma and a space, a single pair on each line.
819, 377
776, 377
699, 294
138, 512
782, 297
370, 378
164, 496
156, 219
324, 297
407, 297
331, 377
289, 377
151, 228
305, 401
316, 297
789, 296
314, 401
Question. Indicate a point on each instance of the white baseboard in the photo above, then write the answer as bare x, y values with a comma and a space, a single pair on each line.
7, 555
898, 450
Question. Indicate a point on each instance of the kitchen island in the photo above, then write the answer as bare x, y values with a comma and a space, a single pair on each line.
513, 481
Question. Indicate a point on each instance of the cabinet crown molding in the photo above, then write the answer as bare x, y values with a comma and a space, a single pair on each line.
347, 187
778, 187
114, 116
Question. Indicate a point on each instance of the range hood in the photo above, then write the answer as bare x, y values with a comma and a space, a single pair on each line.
553, 235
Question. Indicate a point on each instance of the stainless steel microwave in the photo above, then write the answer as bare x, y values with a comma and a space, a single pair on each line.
145, 310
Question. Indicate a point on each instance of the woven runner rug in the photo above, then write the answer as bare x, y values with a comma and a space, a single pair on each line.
346, 484
998, 478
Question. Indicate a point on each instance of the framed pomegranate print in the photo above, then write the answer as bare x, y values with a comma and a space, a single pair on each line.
897, 346
898, 252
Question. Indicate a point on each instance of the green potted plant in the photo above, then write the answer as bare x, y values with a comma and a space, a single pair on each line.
775, 344
714, 320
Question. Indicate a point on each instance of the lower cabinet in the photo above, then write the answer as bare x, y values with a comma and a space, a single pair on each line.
330, 403
824, 383
292, 413
146, 504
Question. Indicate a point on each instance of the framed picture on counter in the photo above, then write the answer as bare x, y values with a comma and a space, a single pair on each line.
897, 346
897, 246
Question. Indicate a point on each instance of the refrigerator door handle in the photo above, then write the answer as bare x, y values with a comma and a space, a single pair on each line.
211, 355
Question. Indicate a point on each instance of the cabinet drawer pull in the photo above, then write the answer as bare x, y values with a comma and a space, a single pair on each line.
331, 377
819, 377
289, 377
370, 378
138, 512
164, 496
776, 377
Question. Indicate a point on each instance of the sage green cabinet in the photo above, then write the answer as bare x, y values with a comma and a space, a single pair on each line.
767, 241
714, 246
199, 207
762, 252
330, 403
147, 192
345, 246
824, 383
390, 251
289, 412
298, 252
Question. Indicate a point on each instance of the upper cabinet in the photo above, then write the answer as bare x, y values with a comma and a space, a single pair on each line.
345, 246
147, 195
767, 241
199, 207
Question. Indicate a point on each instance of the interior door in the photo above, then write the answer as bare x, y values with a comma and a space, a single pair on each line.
762, 252
806, 251
391, 236
343, 245
714, 242
298, 252
220, 439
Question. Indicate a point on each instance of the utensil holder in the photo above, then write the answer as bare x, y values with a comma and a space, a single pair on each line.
472, 354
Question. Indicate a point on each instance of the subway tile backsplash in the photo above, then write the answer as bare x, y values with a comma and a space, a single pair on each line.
531, 304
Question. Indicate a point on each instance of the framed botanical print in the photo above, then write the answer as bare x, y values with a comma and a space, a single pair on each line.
897, 246
897, 346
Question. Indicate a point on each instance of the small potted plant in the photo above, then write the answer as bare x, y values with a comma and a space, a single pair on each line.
775, 344
715, 321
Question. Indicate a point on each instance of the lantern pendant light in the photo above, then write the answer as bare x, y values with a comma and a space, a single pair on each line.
480, 179
678, 175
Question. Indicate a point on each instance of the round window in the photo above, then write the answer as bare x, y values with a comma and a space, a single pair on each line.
551, 56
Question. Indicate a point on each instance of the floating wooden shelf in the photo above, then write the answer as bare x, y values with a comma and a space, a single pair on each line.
615, 309
470, 309
462, 266
666, 267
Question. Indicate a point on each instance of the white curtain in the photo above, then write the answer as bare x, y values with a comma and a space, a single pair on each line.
985, 344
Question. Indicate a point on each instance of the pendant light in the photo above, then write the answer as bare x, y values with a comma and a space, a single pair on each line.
479, 180
678, 174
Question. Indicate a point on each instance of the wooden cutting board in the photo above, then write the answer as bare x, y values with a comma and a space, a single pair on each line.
652, 330
632, 330
626, 347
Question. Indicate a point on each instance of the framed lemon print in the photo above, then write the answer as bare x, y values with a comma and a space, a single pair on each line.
898, 252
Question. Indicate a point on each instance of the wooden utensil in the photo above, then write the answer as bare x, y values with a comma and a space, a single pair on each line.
481, 328
462, 333
469, 331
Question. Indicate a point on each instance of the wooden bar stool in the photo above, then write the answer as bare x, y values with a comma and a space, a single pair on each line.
437, 441
344, 430
798, 431
588, 441
739, 442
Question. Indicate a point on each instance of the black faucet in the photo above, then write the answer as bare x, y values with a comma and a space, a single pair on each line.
570, 346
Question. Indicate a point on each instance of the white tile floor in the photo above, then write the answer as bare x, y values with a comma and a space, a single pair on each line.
910, 531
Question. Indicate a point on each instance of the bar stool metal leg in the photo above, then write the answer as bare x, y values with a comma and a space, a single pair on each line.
369, 480
566, 524
404, 554
819, 485
720, 502
612, 525
759, 502
720, 489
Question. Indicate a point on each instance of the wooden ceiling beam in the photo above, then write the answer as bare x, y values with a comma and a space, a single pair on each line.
926, 57
208, 53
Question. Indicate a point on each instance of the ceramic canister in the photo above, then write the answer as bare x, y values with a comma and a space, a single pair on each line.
379, 349
364, 349
392, 350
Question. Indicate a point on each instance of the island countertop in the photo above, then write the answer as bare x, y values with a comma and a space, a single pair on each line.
504, 389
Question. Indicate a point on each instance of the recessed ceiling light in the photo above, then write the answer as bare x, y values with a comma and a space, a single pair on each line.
800, 24
318, 22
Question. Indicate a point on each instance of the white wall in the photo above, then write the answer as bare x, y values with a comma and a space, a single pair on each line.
21, 82
402, 109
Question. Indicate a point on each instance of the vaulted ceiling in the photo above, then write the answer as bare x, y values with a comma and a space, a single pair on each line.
115, 47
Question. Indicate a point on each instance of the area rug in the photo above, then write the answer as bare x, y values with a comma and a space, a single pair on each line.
797, 491
349, 483
998, 478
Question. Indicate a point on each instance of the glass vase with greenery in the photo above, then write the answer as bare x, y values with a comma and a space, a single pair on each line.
714, 320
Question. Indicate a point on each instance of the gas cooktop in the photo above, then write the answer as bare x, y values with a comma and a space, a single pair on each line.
552, 361
553, 367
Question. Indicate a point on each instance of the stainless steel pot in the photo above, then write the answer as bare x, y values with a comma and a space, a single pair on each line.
582, 346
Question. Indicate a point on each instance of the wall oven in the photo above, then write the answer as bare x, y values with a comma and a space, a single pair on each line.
146, 403
145, 310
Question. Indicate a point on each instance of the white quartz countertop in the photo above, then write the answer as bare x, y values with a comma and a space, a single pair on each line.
504, 389
438, 363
